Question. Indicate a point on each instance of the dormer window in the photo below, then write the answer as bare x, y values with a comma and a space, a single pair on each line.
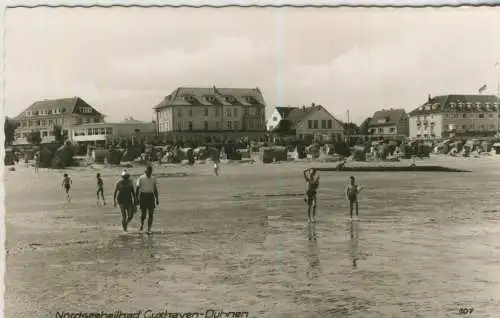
435, 106
249, 99
210, 99
478, 105
469, 105
189, 99
460, 105
230, 99
49, 112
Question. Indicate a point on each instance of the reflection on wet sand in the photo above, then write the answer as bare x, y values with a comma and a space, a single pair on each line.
314, 269
354, 242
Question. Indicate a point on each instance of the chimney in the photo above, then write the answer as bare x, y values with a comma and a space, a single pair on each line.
304, 108
313, 105
429, 98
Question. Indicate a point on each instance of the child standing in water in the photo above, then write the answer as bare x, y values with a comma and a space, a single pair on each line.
351, 193
66, 184
312, 182
100, 190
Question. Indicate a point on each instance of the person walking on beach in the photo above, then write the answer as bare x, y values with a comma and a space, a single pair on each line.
66, 184
312, 183
351, 193
100, 190
124, 195
147, 195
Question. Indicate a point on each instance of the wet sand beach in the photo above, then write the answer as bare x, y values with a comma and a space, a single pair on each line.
426, 244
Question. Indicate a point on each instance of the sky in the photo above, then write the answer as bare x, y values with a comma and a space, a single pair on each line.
124, 61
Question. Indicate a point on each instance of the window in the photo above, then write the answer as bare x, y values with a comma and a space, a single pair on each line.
51, 122
227, 113
205, 111
97, 120
392, 130
330, 124
205, 125
492, 127
250, 124
89, 132
230, 99
490, 115
464, 116
464, 127
309, 124
210, 99
217, 111
315, 122
179, 112
87, 120
381, 130
189, 99
43, 122
230, 125
96, 131
236, 125
190, 126
190, 112
217, 124
37, 123
235, 112
179, 125
323, 124
480, 115
253, 111
102, 131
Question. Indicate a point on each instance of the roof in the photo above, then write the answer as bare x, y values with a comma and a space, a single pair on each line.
391, 116
285, 111
69, 104
199, 96
299, 114
447, 103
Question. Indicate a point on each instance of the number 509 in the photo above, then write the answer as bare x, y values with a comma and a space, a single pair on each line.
465, 311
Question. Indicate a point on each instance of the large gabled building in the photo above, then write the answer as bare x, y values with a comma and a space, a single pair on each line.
211, 113
310, 122
455, 115
43, 115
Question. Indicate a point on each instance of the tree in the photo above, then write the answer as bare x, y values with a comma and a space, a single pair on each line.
59, 135
34, 137
10, 130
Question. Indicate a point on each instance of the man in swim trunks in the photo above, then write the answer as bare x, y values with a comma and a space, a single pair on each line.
351, 193
66, 184
100, 190
124, 195
147, 195
312, 182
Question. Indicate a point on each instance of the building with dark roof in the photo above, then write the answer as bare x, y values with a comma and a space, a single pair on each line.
193, 113
278, 114
389, 122
455, 115
44, 115
306, 122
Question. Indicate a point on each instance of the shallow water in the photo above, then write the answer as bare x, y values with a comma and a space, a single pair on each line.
426, 245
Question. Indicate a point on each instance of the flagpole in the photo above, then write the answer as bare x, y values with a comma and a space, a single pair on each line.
498, 100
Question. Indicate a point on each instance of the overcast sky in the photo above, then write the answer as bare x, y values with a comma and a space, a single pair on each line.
124, 61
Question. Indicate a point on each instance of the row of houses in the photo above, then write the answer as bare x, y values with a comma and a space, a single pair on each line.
217, 114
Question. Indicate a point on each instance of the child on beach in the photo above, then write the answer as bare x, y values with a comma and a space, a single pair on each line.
100, 190
351, 193
66, 184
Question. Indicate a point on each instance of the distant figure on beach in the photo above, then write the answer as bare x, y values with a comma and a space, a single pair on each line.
413, 159
217, 166
26, 160
66, 184
312, 182
351, 193
37, 162
100, 190
147, 195
341, 165
125, 196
